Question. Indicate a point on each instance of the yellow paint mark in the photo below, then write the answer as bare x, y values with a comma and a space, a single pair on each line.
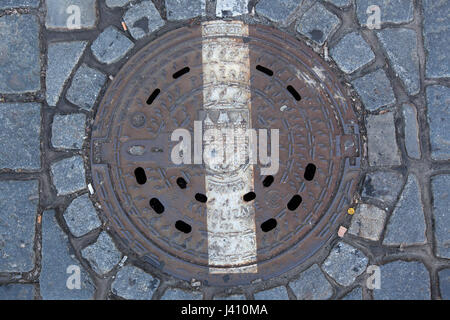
351, 211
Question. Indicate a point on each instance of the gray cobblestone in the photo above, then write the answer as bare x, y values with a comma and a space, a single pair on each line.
402, 280
178, 294
407, 223
86, 86
384, 186
18, 210
111, 46
117, 3
61, 14
436, 28
277, 293
58, 264
382, 143
401, 47
441, 202
438, 99
352, 53
340, 3
68, 175
276, 10
20, 128
143, 19
355, 294
411, 131
69, 131
375, 90
231, 297
57, 72
133, 283
396, 11
311, 285
17, 292
103, 255
7, 4
368, 222
19, 54
185, 9
231, 8
318, 23
81, 216
444, 283
345, 263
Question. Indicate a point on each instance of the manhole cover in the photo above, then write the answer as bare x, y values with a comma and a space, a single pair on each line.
225, 222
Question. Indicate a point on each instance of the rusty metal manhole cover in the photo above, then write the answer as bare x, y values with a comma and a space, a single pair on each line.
228, 222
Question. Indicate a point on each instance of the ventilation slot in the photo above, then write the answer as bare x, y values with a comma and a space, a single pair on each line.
310, 171
181, 72
264, 70
181, 183
268, 225
156, 205
294, 202
200, 197
153, 96
268, 181
294, 93
141, 177
183, 226
249, 196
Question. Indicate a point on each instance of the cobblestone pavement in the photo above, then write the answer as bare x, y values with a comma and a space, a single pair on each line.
52, 77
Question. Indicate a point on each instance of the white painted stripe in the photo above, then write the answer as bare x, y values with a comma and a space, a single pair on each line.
226, 102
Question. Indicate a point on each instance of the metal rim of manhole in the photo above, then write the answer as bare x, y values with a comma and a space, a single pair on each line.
225, 224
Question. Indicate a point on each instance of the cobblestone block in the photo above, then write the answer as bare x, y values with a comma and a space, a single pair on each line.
375, 90
355, 294
185, 9
20, 128
311, 285
276, 10
69, 131
86, 86
20, 63
117, 3
436, 29
60, 269
231, 297
277, 293
111, 46
345, 263
8, 4
68, 175
71, 14
318, 23
438, 100
57, 72
411, 131
440, 186
81, 216
143, 19
17, 292
18, 209
383, 186
444, 283
407, 223
368, 222
340, 3
352, 53
178, 294
134, 284
102, 255
231, 8
395, 11
383, 149
401, 48
402, 280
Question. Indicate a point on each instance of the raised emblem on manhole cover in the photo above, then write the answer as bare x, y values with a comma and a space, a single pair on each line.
225, 153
